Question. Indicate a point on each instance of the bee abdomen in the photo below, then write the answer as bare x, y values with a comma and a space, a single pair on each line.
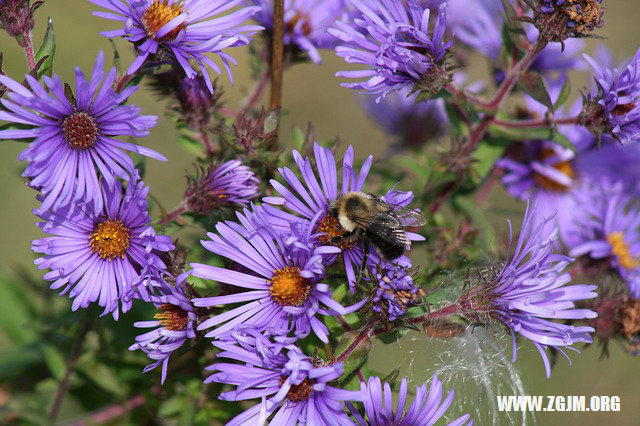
388, 250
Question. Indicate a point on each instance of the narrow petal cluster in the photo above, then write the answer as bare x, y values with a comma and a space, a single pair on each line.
313, 195
410, 123
530, 291
392, 39
97, 254
426, 409
610, 230
174, 323
186, 30
228, 184
305, 23
74, 140
394, 289
294, 387
618, 97
281, 286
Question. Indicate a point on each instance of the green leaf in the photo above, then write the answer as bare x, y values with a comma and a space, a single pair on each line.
191, 145
16, 317
55, 361
564, 94
513, 134
102, 376
116, 57
48, 49
458, 127
533, 85
562, 140
477, 216
486, 155
359, 354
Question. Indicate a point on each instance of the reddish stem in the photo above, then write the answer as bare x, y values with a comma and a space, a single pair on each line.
208, 144
174, 214
533, 124
27, 45
438, 313
256, 93
277, 67
121, 83
364, 334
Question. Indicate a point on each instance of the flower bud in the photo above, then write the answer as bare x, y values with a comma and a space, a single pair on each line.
16, 16
252, 132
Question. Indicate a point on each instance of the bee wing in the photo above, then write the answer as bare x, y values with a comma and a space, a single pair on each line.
384, 226
407, 218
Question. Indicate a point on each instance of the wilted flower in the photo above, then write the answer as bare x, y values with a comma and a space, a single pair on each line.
184, 29
411, 123
394, 290
295, 386
228, 184
251, 132
392, 39
305, 23
284, 274
529, 291
614, 108
174, 324
610, 229
74, 139
16, 16
560, 19
196, 103
98, 254
307, 199
425, 410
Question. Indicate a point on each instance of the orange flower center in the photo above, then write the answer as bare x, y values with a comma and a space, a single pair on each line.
288, 287
623, 109
620, 249
158, 15
110, 239
80, 130
563, 167
301, 392
172, 317
330, 228
306, 24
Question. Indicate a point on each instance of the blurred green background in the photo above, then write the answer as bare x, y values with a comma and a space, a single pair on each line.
311, 95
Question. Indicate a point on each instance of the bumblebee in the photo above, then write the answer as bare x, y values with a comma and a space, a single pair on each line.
368, 218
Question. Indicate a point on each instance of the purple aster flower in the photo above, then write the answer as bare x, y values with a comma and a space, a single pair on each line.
616, 101
305, 23
283, 275
411, 123
174, 324
74, 140
307, 199
392, 38
184, 29
610, 230
529, 292
294, 387
551, 175
393, 288
425, 410
228, 184
98, 254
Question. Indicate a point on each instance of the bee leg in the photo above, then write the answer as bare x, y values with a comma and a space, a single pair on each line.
363, 266
335, 240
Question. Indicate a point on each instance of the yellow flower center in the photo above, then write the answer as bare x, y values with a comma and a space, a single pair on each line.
288, 287
80, 130
563, 167
330, 228
110, 239
620, 249
172, 317
158, 15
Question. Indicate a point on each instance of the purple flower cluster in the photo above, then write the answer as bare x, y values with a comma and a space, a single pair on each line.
530, 291
305, 23
392, 39
618, 95
184, 29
